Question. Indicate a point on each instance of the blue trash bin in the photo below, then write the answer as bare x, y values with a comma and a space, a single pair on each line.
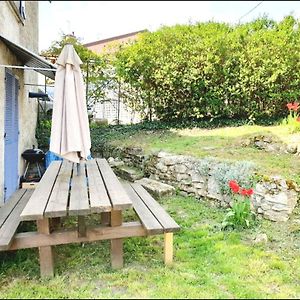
49, 157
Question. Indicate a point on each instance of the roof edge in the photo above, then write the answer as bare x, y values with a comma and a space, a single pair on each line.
114, 38
30, 59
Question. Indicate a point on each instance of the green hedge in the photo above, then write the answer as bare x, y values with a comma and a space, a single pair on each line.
214, 70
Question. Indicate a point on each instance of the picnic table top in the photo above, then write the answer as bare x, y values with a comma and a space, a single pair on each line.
63, 192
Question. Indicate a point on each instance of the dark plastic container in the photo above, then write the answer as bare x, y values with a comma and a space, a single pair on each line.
33, 155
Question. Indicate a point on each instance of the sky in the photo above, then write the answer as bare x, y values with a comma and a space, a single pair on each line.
95, 20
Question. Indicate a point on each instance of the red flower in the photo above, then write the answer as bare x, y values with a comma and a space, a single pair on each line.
244, 192
234, 186
293, 106
296, 106
250, 192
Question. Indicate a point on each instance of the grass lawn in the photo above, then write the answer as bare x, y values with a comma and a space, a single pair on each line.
224, 143
209, 263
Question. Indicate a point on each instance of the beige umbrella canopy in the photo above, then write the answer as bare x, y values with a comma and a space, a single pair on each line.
70, 132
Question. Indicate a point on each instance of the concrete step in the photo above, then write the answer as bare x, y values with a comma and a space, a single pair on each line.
128, 173
156, 188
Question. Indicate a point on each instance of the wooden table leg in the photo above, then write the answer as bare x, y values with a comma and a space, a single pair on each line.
168, 248
45, 253
116, 244
105, 218
81, 226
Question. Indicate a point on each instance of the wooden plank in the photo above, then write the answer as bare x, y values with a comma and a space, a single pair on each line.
33, 239
29, 185
168, 248
8, 229
45, 253
144, 214
58, 200
99, 199
116, 245
160, 214
117, 195
10, 204
34, 210
79, 201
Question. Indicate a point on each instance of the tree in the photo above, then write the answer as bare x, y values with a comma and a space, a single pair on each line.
95, 67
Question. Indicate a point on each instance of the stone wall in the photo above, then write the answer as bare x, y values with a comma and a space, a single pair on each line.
270, 143
131, 156
273, 199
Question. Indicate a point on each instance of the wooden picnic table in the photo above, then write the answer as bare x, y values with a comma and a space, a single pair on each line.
62, 192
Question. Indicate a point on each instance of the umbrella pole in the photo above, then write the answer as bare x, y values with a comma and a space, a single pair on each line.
78, 165
78, 169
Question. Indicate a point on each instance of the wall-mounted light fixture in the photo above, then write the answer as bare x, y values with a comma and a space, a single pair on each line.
37, 95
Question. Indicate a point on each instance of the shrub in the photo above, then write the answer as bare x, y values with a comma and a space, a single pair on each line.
42, 134
213, 70
241, 171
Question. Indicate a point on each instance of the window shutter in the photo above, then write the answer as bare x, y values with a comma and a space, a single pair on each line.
22, 9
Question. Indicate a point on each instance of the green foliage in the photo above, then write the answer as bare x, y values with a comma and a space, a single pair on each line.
239, 216
42, 134
292, 121
214, 70
225, 141
101, 133
205, 165
208, 263
56, 46
241, 171
97, 69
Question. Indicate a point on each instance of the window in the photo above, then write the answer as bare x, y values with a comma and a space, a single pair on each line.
19, 9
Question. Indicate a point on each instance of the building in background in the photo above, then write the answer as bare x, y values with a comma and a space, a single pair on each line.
18, 113
113, 109
111, 44
115, 112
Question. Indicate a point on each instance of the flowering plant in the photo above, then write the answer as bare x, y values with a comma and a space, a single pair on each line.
293, 119
240, 214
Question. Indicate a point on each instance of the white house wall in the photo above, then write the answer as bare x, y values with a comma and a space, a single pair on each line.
27, 36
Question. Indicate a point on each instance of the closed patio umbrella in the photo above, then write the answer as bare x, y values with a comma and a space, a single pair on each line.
70, 132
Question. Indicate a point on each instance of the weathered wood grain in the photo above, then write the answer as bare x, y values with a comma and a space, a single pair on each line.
34, 210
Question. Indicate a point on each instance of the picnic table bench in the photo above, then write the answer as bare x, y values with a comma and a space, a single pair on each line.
62, 192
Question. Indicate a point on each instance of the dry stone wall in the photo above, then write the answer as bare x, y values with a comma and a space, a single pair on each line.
273, 199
